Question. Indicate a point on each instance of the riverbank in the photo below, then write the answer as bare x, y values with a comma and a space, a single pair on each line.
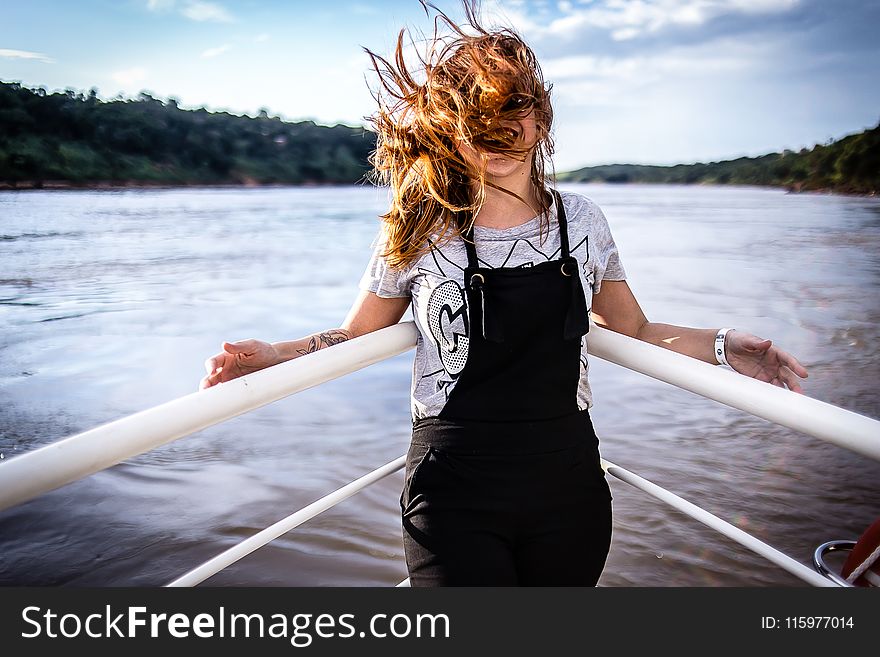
65, 185
850, 165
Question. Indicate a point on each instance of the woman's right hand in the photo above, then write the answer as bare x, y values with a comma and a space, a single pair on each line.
237, 359
368, 313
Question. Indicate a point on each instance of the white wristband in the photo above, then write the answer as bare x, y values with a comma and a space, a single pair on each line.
720, 354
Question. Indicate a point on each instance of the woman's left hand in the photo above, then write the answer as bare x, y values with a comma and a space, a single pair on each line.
758, 358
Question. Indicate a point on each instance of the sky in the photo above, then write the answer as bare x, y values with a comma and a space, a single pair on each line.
634, 81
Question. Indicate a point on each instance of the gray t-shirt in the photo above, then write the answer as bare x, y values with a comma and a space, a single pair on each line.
435, 283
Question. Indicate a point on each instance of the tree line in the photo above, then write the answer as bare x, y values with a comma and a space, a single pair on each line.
848, 165
77, 138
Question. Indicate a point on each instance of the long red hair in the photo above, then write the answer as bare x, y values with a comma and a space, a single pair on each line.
471, 84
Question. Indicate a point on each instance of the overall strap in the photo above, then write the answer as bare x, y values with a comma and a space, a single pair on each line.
468, 235
563, 224
577, 319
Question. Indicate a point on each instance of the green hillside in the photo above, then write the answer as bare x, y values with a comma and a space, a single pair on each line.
72, 138
79, 139
848, 165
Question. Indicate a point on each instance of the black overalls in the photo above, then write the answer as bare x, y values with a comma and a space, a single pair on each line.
504, 487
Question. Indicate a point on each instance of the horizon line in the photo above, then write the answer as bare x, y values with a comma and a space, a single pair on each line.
120, 96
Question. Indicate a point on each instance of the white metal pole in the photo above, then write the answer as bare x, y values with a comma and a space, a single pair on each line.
258, 540
719, 525
46, 468
789, 409
52, 466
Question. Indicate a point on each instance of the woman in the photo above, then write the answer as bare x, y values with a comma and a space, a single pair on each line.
503, 482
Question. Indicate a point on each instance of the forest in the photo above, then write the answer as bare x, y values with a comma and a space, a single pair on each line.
850, 165
73, 138
79, 139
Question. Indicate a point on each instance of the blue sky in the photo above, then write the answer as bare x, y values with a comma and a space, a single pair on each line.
642, 81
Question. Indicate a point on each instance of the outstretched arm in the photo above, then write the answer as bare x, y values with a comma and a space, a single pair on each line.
615, 307
368, 313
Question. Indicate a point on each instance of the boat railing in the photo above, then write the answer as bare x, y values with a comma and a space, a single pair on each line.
52, 466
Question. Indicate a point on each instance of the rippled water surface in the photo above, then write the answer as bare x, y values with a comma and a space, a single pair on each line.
111, 301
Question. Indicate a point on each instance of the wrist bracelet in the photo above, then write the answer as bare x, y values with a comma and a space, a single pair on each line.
720, 354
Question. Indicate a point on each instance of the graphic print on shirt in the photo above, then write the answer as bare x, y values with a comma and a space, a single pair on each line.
445, 315
446, 319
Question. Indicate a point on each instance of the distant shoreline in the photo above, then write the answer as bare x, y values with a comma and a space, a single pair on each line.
71, 141
63, 185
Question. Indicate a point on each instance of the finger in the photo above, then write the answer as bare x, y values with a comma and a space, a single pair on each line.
790, 379
776, 382
763, 376
240, 347
211, 379
754, 343
213, 363
794, 364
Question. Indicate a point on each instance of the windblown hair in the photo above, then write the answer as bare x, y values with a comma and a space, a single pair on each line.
472, 83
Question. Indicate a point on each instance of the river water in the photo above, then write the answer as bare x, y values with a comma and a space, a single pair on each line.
110, 301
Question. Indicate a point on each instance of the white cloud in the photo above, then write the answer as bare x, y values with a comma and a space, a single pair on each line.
130, 77
214, 52
509, 13
26, 54
261, 38
626, 19
716, 58
586, 80
206, 11
625, 33
363, 9
159, 5
763, 6
197, 10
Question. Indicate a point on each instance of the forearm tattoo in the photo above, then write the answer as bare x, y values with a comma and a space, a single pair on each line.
325, 339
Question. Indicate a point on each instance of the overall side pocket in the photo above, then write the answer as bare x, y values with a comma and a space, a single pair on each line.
586, 471
416, 455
